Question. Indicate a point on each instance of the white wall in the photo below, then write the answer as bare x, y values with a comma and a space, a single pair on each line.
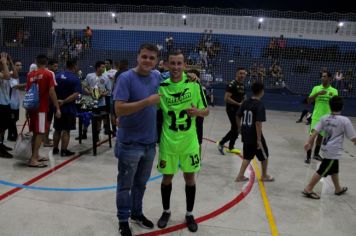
232, 25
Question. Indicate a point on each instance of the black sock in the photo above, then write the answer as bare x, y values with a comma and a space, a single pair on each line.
190, 197
316, 150
166, 195
309, 154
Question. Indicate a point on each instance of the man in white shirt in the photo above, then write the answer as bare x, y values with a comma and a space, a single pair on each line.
100, 86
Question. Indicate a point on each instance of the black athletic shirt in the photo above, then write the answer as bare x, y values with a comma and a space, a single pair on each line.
252, 110
238, 93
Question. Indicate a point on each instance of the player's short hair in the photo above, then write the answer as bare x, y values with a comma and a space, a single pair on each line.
109, 60
336, 103
149, 47
328, 74
71, 64
42, 60
257, 88
51, 62
175, 53
98, 64
240, 68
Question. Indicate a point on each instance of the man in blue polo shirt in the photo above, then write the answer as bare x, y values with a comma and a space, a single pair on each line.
135, 97
68, 88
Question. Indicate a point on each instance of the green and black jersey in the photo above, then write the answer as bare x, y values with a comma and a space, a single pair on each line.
179, 135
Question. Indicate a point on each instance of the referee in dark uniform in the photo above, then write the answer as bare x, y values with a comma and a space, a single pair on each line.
234, 96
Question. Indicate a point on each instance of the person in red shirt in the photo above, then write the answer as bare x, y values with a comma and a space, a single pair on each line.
38, 120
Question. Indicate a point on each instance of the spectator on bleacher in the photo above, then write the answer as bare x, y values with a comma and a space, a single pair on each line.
203, 56
5, 110
88, 36
338, 79
261, 73
193, 57
14, 101
210, 35
216, 48
68, 88
277, 74
282, 43
253, 73
272, 48
79, 47
38, 120
204, 37
348, 80
169, 43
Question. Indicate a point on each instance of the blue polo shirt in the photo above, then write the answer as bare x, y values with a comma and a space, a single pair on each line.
139, 127
67, 84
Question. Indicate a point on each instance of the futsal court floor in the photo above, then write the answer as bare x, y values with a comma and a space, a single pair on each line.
76, 195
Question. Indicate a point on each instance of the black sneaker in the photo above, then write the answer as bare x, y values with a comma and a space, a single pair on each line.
125, 229
318, 157
220, 148
66, 153
191, 224
307, 160
142, 221
298, 121
55, 151
163, 220
6, 148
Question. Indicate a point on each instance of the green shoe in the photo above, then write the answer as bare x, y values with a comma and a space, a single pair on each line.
234, 150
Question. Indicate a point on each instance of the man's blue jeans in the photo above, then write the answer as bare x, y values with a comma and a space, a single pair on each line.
134, 166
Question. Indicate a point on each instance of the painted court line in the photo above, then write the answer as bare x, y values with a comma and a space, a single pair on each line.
268, 209
213, 214
46, 173
170, 229
40, 188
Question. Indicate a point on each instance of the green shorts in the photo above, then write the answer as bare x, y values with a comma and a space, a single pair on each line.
312, 126
169, 164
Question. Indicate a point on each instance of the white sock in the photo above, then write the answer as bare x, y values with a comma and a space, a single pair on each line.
189, 213
167, 211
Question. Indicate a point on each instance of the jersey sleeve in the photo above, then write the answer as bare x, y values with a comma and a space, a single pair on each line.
349, 130
229, 88
51, 79
122, 89
314, 91
77, 86
336, 92
201, 99
261, 113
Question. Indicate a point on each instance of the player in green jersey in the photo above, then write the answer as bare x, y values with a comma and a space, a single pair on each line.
181, 102
321, 94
